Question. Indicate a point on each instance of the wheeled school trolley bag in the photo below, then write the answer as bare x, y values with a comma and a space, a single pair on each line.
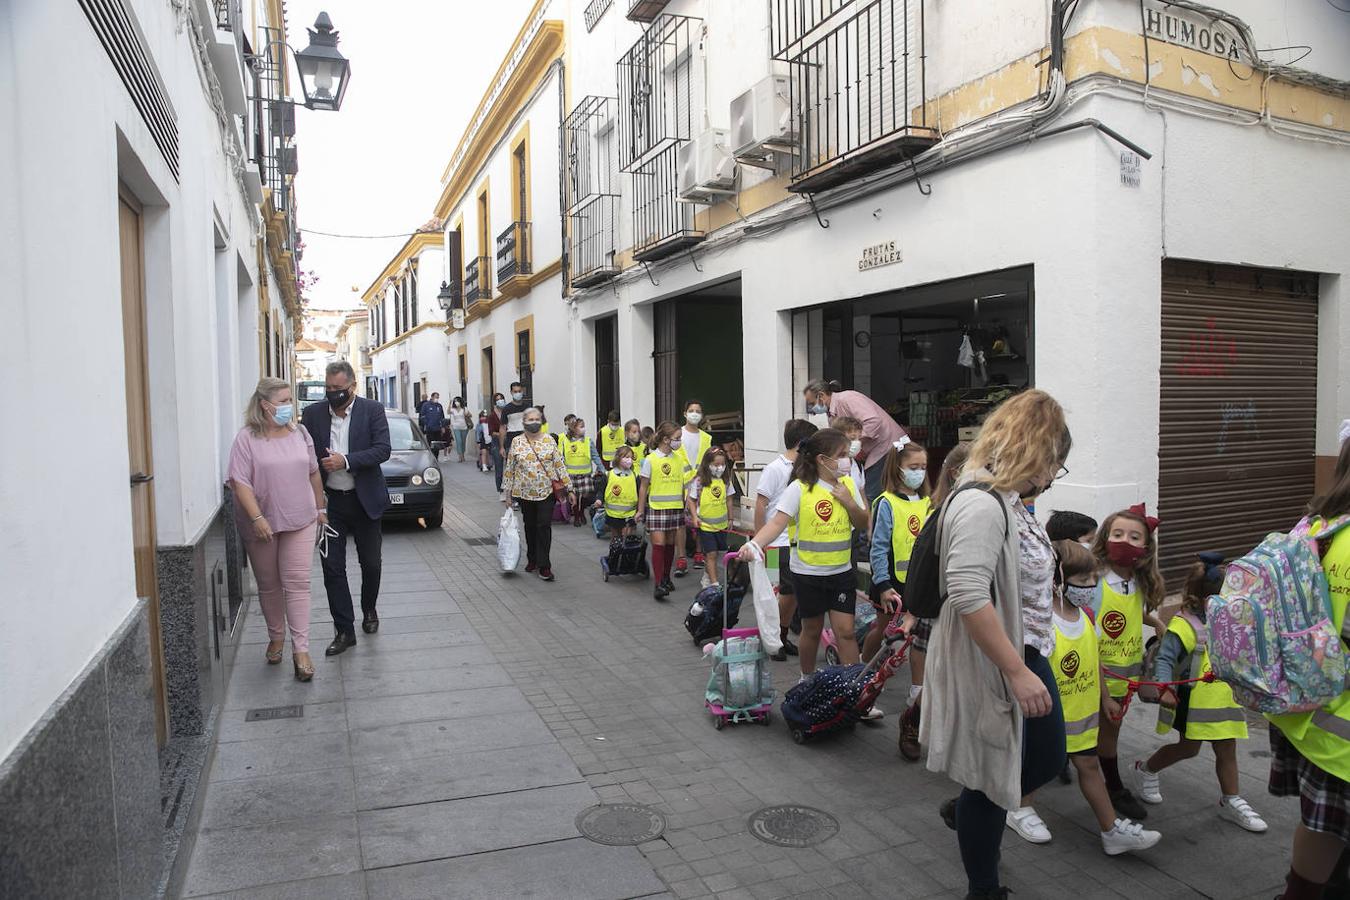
627, 556
835, 697
739, 688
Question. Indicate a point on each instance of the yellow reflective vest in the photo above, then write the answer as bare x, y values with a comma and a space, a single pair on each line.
610, 439
907, 519
824, 530
621, 495
1075, 664
1120, 635
1211, 714
704, 442
1323, 735
666, 487
576, 455
712, 506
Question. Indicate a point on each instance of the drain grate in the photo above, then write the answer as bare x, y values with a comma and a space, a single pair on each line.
480, 542
792, 826
621, 824
268, 713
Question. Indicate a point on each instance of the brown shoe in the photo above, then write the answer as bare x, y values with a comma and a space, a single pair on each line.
304, 669
909, 734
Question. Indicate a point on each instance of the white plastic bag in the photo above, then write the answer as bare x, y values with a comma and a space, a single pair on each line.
508, 542
766, 602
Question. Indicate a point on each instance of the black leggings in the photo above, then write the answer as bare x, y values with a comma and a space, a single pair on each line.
979, 821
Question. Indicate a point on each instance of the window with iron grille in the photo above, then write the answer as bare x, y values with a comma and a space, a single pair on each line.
398, 310
660, 89
856, 85
524, 362
412, 291
591, 192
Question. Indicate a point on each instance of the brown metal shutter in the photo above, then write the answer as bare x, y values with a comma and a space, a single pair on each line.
1238, 407
666, 359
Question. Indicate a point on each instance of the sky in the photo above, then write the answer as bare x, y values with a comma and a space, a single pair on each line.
419, 68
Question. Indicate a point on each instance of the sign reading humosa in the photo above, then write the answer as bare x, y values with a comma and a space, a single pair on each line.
1186, 28
877, 255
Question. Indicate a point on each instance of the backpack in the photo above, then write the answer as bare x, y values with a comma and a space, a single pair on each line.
922, 596
1271, 634
704, 619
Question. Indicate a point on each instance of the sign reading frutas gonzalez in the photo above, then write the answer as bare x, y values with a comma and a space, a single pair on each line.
884, 254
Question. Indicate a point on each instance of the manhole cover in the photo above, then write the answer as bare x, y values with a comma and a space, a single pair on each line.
267, 713
621, 824
792, 826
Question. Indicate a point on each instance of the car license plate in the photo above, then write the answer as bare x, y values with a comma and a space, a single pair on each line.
395, 499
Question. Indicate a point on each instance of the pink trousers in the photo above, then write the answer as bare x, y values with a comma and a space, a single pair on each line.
282, 568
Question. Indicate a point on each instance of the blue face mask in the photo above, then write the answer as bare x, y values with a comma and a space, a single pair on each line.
816, 409
501, 403
284, 414
913, 478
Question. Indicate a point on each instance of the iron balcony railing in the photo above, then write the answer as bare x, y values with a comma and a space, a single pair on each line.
594, 10
857, 86
660, 90
590, 242
513, 251
588, 138
662, 225
478, 280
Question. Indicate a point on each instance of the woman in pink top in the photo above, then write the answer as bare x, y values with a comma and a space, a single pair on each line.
279, 502
879, 430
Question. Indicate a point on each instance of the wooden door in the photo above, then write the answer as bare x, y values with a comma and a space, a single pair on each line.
140, 458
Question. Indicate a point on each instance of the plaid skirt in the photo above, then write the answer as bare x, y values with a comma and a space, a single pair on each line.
665, 519
583, 485
1323, 799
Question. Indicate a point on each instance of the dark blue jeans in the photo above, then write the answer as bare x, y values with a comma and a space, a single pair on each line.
979, 821
498, 464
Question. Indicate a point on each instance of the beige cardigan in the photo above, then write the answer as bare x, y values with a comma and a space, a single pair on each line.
970, 722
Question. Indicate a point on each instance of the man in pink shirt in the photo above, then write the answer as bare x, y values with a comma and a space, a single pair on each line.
880, 431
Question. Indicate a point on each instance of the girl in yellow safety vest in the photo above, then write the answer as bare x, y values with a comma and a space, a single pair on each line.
1131, 588
826, 507
582, 461
1199, 712
1086, 701
898, 516
661, 502
632, 436
708, 506
1310, 751
693, 447
621, 494
610, 437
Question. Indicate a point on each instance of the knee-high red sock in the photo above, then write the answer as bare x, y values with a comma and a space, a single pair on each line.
1296, 887
659, 565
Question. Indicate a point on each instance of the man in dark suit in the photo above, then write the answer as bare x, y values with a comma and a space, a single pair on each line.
351, 439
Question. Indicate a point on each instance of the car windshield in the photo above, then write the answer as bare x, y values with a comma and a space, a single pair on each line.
311, 390
404, 435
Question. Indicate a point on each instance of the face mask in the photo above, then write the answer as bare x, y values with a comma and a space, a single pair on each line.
517, 396
816, 409
501, 402
633, 442
455, 404
625, 464
671, 445
693, 417
337, 399
1123, 554
717, 470
1080, 595
282, 415
533, 427
913, 478
843, 465
854, 448
581, 433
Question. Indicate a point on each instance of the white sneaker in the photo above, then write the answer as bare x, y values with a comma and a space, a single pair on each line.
1146, 783
1125, 836
873, 714
1240, 813
1029, 826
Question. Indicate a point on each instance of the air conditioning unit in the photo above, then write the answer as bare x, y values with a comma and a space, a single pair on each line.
704, 169
761, 123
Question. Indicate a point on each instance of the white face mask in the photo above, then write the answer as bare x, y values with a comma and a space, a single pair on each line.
912, 477
693, 417
1079, 595
717, 470
625, 464
844, 465
854, 448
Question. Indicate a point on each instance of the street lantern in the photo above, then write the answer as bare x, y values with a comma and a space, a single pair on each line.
449, 302
324, 72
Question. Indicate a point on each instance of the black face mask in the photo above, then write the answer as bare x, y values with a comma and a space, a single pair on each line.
337, 399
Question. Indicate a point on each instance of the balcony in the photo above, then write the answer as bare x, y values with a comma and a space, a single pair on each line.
856, 85
594, 10
662, 225
513, 260
660, 90
645, 10
477, 280
590, 242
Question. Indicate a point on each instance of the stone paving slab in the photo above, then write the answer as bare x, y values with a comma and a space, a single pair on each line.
452, 776
230, 859
417, 739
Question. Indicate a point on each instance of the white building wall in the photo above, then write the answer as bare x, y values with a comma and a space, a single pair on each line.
65, 323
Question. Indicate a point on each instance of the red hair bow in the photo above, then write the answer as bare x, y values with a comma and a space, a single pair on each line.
1150, 521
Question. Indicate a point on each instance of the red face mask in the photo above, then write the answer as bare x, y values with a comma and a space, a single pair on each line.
1122, 553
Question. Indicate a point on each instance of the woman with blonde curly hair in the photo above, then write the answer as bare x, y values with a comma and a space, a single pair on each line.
991, 718
279, 502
